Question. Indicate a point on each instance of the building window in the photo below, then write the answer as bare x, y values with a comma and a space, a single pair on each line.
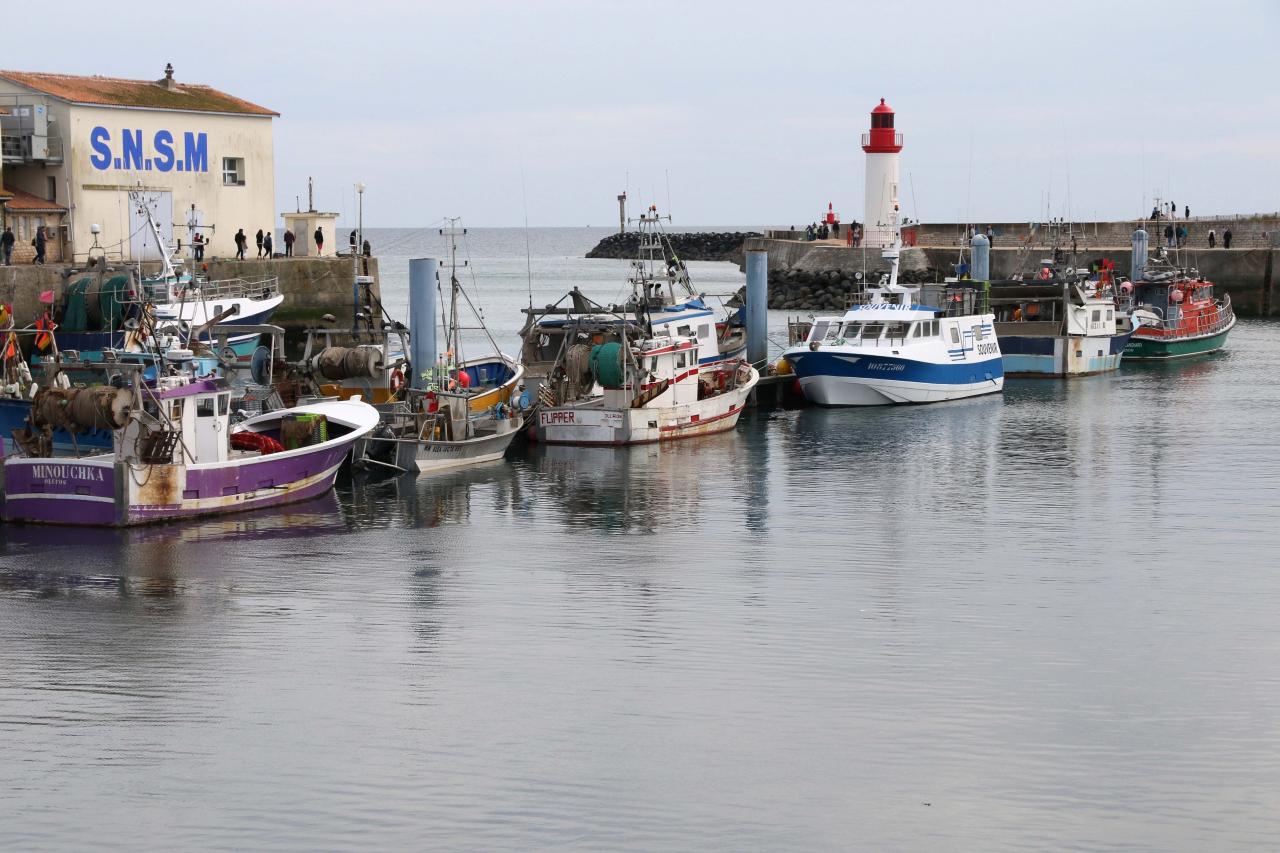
53, 187
233, 171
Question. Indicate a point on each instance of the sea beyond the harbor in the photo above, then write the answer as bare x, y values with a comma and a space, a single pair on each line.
1042, 619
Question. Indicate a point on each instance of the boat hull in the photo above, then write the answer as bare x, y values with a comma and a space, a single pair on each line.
102, 492
1142, 348
1062, 356
834, 378
427, 457
592, 425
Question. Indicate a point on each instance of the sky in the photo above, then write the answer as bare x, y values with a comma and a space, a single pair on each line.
738, 113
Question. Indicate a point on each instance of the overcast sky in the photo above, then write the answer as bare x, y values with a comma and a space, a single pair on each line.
751, 112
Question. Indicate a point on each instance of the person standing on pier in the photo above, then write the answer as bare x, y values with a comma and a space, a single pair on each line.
267, 245
288, 243
1168, 236
197, 246
1186, 212
39, 243
6, 245
1213, 238
258, 239
1173, 210
241, 242
319, 235
352, 240
1226, 239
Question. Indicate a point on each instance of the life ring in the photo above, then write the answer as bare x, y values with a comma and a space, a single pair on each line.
396, 381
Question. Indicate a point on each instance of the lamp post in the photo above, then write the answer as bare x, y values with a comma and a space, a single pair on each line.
360, 219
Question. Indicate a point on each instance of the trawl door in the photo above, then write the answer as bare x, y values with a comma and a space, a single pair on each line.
142, 242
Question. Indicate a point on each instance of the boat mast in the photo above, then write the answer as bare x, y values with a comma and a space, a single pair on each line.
452, 336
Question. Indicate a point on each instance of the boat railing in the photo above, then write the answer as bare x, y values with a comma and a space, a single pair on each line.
1199, 324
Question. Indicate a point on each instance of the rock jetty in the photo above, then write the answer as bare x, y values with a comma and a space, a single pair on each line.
830, 290
689, 246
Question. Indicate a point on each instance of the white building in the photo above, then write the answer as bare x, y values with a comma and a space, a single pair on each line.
200, 157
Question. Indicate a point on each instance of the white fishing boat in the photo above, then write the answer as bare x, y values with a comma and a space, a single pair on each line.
894, 348
462, 414
663, 298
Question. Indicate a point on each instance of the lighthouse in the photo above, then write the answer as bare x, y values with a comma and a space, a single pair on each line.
882, 145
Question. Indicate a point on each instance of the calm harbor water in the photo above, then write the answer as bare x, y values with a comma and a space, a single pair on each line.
1041, 621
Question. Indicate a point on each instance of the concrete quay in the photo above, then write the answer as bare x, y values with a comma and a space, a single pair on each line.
819, 275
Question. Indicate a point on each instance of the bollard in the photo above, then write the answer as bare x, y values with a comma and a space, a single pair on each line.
424, 275
1138, 262
757, 306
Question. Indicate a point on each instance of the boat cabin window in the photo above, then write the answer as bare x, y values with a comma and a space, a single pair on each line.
819, 330
704, 333
653, 364
896, 330
933, 328
955, 334
175, 410
1111, 314
684, 331
918, 330
871, 331
978, 333
1097, 315
204, 407
833, 332
851, 330
224, 403
680, 360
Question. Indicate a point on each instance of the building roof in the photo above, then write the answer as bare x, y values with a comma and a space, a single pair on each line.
165, 94
28, 203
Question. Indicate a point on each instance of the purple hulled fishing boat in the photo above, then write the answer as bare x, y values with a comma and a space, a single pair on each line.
176, 455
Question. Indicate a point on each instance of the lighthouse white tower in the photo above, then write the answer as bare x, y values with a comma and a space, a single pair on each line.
882, 145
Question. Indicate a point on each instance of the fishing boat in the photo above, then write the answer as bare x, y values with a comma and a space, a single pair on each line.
890, 347
176, 454
1188, 319
641, 391
663, 299
645, 383
458, 411
98, 303
1064, 322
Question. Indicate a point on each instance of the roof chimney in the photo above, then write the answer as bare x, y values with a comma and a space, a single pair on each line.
168, 82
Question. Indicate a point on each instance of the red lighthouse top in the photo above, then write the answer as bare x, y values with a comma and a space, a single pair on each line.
882, 139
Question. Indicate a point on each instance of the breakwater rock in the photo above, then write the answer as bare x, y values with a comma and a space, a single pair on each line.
688, 246
827, 290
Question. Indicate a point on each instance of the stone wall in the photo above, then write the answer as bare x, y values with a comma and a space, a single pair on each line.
312, 287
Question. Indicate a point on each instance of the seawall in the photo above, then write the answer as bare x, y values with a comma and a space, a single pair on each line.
311, 287
817, 276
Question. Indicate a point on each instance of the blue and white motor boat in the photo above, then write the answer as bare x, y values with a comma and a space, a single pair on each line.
894, 348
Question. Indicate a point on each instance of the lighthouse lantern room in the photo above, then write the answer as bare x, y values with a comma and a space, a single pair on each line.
882, 146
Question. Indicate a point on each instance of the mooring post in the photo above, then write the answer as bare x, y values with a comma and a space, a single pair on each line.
424, 275
757, 307
1138, 261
